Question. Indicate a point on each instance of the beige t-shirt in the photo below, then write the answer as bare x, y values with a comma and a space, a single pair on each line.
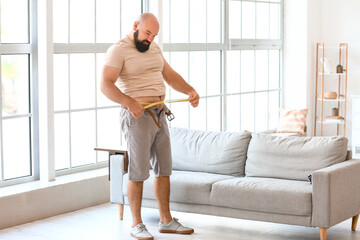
141, 72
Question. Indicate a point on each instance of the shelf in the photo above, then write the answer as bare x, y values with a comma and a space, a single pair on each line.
333, 47
332, 74
328, 120
331, 88
341, 99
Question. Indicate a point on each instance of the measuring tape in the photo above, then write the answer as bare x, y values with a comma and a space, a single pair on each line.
168, 114
148, 105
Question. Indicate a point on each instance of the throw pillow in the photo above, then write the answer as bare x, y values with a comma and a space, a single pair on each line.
292, 121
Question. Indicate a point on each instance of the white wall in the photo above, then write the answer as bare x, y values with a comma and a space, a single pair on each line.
295, 54
37, 200
306, 23
340, 23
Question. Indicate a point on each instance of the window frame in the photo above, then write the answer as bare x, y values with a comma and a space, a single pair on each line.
48, 171
225, 45
29, 49
93, 48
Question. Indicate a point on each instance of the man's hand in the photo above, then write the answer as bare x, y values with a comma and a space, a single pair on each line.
193, 98
135, 108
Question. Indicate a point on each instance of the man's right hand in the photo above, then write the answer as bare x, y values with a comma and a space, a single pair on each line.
135, 108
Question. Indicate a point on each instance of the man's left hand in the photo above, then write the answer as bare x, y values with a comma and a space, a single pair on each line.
193, 98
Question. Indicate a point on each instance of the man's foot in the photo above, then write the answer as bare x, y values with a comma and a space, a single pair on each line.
140, 232
174, 227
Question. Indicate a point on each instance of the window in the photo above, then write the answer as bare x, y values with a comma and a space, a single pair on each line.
17, 127
84, 117
192, 41
253, 86
230, 52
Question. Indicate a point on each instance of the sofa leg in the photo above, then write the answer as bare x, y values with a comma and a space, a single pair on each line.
354, 222
121, 211
323, 233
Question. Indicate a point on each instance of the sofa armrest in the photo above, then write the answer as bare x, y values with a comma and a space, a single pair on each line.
118, 167
336, 193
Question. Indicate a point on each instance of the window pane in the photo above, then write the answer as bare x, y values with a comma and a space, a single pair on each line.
82, 80
108, 127
261, 112
179, 62
61, 21
61, 82
262, 73
274, 109
234, 19
168, 89
274, 69
197, 21
247, 71
179, 22
247, 112
275, 21
83, 138
213, 114
102, 100
233, 113
62, 145
248, 20
262, 20
214, 21
213, 73
233, 72
14, 21
82, 29
16, 148
198, 116
154, 7
198, 72
166, 21
130, 11
107, 21
15, 84
180, 110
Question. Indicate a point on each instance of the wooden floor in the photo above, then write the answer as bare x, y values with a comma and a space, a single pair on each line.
101, 223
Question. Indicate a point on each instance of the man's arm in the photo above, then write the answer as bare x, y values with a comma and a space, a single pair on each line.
175, 81
109, 89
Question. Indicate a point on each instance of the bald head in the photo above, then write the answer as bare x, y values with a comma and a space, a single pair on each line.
151, 18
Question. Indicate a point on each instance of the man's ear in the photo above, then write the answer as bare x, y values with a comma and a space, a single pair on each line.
136, 24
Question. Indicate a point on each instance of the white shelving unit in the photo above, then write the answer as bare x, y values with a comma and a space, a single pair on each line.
325, 77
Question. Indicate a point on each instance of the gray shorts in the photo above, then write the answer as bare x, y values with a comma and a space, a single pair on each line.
147, 144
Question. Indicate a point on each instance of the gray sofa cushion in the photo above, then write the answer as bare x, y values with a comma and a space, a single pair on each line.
212, 152
186, 187
292, 157
263, 195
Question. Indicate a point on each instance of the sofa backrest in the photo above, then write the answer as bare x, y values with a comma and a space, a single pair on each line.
212, 152
292, 157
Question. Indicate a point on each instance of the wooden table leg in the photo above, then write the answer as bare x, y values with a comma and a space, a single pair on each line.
322, 233
121, 211
354, 222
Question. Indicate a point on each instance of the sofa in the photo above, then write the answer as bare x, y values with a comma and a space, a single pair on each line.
256, 176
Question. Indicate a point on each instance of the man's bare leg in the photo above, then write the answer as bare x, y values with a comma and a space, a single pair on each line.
162, 193
135, 190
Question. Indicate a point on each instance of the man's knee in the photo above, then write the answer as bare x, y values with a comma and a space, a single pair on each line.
162, 178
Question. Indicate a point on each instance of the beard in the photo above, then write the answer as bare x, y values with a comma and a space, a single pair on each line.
141, 46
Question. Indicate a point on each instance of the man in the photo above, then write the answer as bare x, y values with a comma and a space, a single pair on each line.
141, 68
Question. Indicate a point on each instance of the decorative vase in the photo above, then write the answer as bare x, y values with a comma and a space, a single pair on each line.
335, 112
339, 68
